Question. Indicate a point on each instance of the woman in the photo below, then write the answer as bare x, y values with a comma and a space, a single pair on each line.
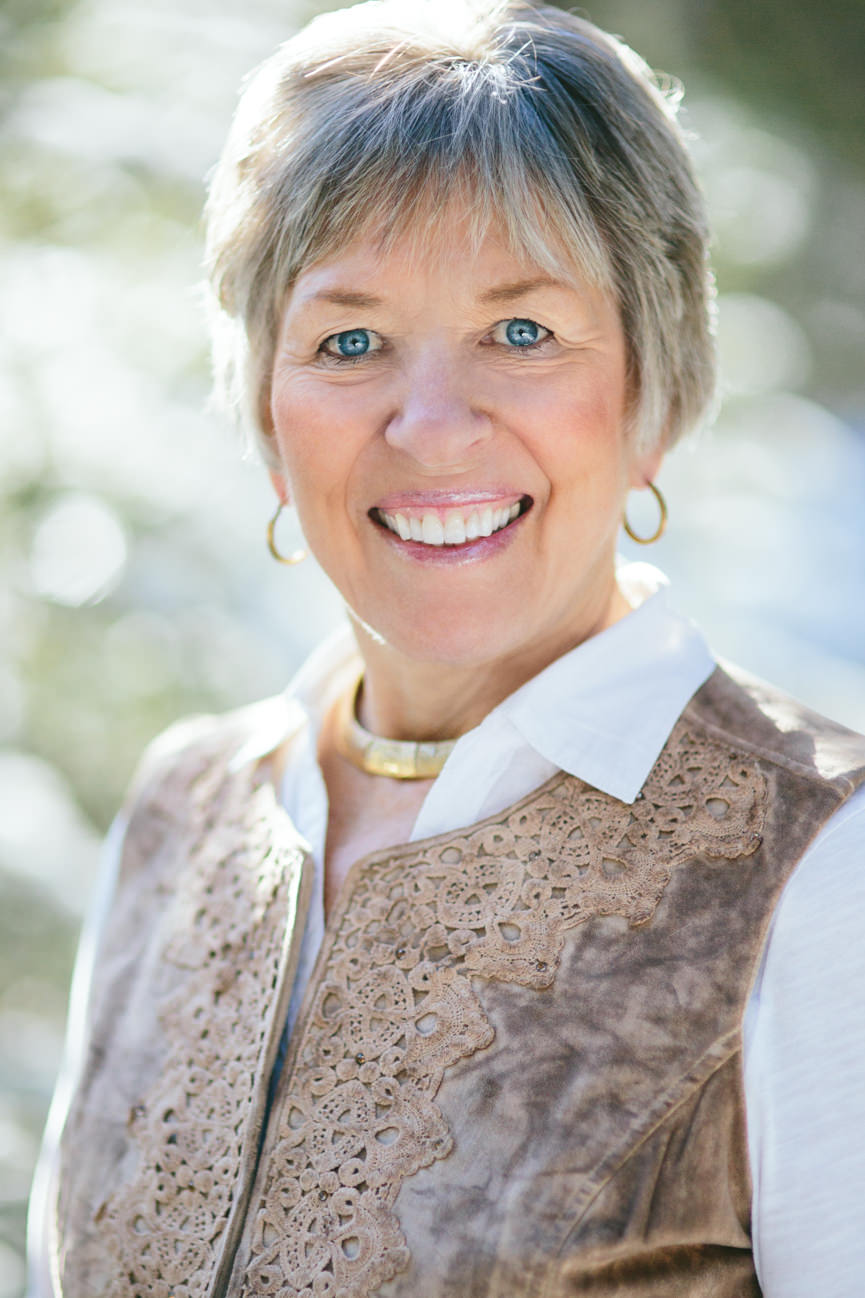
448, 973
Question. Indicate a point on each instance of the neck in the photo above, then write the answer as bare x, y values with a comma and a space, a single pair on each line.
413, 699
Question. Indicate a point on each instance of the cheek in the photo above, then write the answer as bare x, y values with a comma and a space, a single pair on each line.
580, 435
600, 402
319, 440
304, 435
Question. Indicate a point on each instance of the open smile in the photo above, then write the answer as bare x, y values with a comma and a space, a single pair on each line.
437, 526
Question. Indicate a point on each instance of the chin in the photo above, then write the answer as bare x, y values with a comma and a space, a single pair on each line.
451, 642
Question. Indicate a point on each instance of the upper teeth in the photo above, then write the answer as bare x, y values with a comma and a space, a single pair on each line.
457, 528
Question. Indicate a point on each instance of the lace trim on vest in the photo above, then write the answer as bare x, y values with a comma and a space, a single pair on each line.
395, 1006
228, 921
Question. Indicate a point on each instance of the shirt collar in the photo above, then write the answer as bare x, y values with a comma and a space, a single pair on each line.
604, 711
601, 712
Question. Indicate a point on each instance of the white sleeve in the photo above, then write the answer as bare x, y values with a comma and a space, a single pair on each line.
41, 1271
805, 1073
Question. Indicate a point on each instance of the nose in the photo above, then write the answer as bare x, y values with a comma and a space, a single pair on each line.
436, 422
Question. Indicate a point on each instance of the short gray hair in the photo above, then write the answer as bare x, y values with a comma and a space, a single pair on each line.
374, 117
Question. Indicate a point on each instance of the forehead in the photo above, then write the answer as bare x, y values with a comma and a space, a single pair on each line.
454, 260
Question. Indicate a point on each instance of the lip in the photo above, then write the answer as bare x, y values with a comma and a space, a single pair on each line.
482, 547
440, 502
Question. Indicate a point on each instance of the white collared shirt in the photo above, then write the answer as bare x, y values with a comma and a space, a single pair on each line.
603, 712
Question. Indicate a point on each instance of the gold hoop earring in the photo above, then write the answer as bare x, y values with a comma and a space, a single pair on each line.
297, 557
662, 520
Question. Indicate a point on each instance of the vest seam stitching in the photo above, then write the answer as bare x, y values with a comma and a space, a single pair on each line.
842, 784
594, 1188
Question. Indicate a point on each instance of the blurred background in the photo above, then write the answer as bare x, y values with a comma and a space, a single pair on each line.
136, 584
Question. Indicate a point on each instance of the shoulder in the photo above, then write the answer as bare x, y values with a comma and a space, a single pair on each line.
186, 777
826, 893
803, 1067
195, 756
232, 738
762, 719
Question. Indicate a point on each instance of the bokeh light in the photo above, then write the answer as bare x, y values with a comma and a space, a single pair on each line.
78, 552
762, 347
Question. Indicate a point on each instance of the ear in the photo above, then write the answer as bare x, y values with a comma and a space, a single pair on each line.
280, 486
270, 448
645, 468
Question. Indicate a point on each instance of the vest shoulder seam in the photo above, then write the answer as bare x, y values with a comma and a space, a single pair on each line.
843, 783
734, 680
722, 1050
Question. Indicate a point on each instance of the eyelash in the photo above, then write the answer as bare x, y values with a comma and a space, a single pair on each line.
329, 358
341, 361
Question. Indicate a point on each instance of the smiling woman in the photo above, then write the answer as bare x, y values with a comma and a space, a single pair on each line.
495, 957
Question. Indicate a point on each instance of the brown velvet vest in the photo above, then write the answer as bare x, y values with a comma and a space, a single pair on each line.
517, 1072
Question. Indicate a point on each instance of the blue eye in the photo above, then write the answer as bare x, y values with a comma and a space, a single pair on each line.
522, 332
354, 342
351, 344
519, 333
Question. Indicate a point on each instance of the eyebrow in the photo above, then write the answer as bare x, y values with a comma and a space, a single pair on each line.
519, 287
366, 301
344, 297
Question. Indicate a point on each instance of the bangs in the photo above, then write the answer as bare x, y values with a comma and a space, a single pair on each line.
424, 213
468, 138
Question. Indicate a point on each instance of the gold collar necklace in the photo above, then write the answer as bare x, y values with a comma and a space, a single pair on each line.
401, 759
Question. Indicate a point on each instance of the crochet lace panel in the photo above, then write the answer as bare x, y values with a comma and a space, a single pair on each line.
394, 1006
227, 921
